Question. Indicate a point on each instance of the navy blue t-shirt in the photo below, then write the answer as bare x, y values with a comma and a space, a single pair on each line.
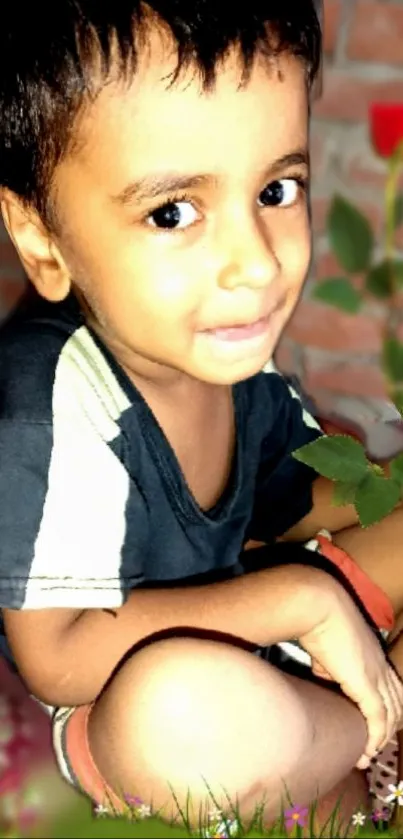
93, 501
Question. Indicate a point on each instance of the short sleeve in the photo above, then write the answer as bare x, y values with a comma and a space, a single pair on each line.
283, 490
64, 495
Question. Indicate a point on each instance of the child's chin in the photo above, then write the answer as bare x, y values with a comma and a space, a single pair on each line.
231, 375
225, 361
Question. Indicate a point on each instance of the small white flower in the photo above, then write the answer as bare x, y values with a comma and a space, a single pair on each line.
396, 793
100, 810
227, 828
215, 815
358, 819
143, 811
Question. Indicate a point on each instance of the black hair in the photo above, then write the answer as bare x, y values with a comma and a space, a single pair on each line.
49, 51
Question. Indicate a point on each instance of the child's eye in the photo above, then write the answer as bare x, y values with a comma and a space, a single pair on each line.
280, 193
173, 215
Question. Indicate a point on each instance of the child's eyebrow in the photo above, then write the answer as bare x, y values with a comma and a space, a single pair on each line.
151, 186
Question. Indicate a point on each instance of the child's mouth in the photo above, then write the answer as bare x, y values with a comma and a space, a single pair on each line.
242, 332
257, 338
248, 331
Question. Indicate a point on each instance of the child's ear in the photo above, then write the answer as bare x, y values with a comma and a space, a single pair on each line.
40, 256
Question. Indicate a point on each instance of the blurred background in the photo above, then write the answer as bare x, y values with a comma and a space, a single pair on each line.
336, 355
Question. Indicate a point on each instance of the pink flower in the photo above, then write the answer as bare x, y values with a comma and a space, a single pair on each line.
133, 800
295, 816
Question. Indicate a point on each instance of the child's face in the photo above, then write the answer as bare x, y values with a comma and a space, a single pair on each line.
182, 217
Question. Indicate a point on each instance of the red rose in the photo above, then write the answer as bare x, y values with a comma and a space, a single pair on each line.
386, 122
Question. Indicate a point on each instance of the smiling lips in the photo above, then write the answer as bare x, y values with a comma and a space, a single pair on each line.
241, 333
245, 331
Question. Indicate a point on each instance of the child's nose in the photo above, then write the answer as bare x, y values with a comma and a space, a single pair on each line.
251, 261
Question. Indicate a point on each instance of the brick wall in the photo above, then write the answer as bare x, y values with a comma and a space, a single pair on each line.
330, 351
335, 353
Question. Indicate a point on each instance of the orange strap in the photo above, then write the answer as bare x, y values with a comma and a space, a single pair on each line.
375, 600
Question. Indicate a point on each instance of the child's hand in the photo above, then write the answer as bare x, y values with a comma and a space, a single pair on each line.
320, 671
346, 650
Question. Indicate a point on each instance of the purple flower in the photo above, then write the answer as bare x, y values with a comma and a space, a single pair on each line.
295, 816
133, 800
380, 815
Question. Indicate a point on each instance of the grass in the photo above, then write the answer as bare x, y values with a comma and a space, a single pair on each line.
80, 822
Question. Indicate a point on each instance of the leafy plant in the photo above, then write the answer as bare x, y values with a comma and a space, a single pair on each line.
339, 458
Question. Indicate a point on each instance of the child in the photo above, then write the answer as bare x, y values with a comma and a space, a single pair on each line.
155, 173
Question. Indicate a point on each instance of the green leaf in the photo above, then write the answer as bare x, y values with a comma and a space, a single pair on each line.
350, 236
338, 457
376, 497
338, 292
381, 277
343, 493
399, 210
397, 268
396, 470
392, 359
397, 399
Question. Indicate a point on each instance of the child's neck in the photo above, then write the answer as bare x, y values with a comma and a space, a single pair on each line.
198, 420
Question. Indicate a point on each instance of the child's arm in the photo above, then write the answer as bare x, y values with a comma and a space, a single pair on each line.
55, 649
322, 515
66, 657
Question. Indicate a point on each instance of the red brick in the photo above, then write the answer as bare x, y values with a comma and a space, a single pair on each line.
326, 265
332, 13
352, 379
285, 356
365, 172
347, 97
320, 208
318, 154
376, 32
318, 325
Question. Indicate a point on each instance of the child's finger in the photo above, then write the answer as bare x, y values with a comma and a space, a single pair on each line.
375, 710
320, 671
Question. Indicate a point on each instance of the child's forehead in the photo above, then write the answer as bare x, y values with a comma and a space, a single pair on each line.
152, 118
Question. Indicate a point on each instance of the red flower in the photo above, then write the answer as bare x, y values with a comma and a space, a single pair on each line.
386, 122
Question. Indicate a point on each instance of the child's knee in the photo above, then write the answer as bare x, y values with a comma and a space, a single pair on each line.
187, 715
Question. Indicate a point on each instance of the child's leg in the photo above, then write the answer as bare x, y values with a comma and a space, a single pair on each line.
183, 712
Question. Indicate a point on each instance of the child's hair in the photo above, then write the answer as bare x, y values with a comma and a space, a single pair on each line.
55, 55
